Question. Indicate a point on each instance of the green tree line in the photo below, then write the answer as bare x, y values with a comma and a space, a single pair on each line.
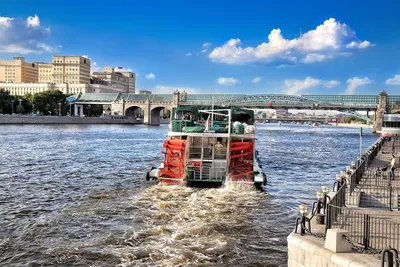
45, 103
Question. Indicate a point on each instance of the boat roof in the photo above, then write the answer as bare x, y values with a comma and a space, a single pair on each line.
210, 134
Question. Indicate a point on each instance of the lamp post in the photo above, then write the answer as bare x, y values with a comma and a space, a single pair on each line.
33, 108
325, 190
317, 206
12, 106
303, 209
89, 106
20, 100
59, 109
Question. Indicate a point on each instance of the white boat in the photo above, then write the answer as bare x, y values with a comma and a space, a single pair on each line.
213, 146
391, 124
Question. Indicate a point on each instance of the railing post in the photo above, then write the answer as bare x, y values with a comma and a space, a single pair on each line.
390, 198
366, 231
328, 217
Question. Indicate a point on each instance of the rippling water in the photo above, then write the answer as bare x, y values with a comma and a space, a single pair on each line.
76, 196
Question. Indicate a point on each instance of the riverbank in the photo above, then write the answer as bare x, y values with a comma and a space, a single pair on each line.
70, 120
354, 125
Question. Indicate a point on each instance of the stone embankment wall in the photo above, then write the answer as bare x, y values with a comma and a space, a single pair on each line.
308, 251
69, 120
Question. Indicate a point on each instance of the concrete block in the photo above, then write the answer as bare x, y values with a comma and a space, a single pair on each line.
323, 253
294, 239
341, 259
307, 246
335, 242
293, 263
311, 259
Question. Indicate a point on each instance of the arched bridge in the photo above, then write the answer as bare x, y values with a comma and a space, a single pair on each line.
149, 105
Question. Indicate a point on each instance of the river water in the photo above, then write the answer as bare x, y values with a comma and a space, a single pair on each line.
76, 196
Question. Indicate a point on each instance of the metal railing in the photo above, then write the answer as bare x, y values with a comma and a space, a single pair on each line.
368, 231
206, 173
373, 196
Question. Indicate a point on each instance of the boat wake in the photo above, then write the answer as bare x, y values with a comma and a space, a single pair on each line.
187, 226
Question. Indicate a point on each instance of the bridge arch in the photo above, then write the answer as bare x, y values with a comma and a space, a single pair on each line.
157, 112
135, 112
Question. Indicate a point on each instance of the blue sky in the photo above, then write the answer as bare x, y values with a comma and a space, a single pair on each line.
295, 47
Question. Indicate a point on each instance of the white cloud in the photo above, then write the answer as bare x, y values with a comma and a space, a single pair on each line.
313, 57
33, 21
188, 54
19, 36
5, 22
205, 48
355, 82
161, 89
256, 80
327, 41
359, 45
206, 45
227, 81
150, 76
94, 67
393, 81
293, 87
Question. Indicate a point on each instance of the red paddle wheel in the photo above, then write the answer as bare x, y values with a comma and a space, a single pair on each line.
174, 163
242, 157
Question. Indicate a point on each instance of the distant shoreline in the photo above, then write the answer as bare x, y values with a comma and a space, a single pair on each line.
65, 120
354, 125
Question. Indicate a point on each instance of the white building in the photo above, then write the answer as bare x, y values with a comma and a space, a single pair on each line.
33, 88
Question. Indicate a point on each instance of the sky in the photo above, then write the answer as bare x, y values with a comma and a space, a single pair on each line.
247, 47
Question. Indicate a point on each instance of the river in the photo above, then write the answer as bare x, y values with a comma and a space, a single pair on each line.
76, 196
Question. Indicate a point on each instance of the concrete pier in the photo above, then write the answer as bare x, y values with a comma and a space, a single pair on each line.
361, 216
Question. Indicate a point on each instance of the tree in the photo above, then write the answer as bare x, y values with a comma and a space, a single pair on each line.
93, 110
47, 102
5, 101
26, 102
348, 119
166, 113
20, 109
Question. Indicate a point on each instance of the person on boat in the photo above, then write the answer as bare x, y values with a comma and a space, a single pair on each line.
218, 147
392, 167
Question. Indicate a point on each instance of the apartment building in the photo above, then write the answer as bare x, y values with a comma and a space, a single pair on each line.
71, 70
45, 73
18, 71
131, 76
119, 80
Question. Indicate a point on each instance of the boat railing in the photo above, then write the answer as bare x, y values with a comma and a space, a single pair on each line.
206, 173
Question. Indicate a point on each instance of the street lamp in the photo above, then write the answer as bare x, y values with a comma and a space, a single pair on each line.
89, 106
316, 209
325, 190
59, 109
12, 106
33, 108
20, 100
303, 209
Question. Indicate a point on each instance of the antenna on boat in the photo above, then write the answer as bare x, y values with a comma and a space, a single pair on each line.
212, 112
